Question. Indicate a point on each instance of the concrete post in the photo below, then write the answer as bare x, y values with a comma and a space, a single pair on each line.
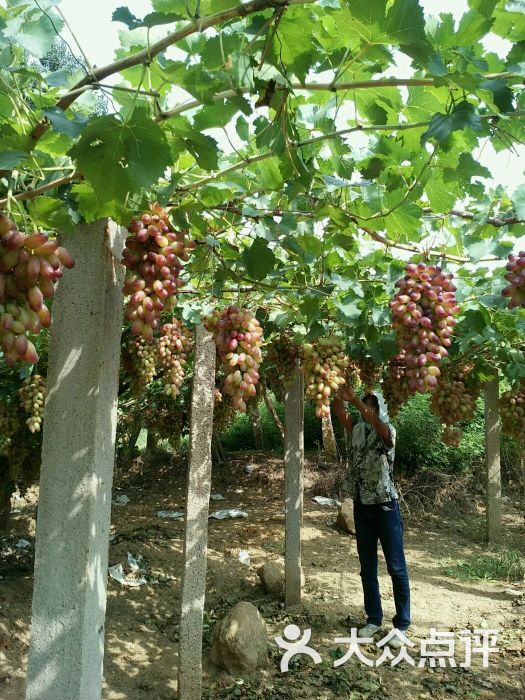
293, 486
71, 560
197, 511
492, 461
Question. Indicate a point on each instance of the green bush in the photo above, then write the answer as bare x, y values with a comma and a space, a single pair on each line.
419, 444
239, 436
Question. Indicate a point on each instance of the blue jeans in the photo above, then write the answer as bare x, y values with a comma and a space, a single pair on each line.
382, 522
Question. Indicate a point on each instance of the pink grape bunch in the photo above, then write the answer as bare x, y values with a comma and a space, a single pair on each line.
451, 436
325, 367
369, 373
283, 356
173, 348
423, 313
454, 400
515, 291
154, 256
32, 396
396, 384
512, 409
30, 265
238, 338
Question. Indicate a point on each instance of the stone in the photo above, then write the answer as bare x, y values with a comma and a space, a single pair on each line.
239, 642
272, 575
345, 516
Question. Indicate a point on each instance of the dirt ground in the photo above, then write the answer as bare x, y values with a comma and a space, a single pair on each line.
142, 622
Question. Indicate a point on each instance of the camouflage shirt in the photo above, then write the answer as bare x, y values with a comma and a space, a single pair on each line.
372, 473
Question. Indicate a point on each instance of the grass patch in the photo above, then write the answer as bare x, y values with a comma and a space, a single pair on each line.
506, 565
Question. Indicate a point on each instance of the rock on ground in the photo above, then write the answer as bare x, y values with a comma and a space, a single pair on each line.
239, 642
345, 516
272, 575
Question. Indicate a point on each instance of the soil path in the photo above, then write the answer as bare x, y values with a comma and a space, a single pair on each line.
142, 622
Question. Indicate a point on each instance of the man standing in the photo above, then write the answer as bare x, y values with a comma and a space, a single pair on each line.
376, 510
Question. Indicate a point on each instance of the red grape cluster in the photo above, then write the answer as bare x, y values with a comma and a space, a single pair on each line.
29, 267
451, 436
516, 276
32, 395
165, 418
238, 337
454, 400
369, 373
154, 255
423, 318
173, 347
512, 408
325, 367
396, 385
282, 358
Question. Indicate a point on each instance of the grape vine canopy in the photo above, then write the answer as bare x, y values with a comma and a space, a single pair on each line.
286, 138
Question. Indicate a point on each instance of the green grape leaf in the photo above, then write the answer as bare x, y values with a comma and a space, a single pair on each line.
52, 214
118, 157
518, 199
10, 159
258, 259
441, 126
62, 125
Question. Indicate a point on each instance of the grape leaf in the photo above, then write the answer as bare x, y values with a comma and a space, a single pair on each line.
518, 199
63, 125
118, 158
441, 126
153, 19
52, 214
10, 159
258, 259
35, 35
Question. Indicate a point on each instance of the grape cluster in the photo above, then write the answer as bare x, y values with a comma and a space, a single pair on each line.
325, 367
32, 395
423, 313
454, 400
369, 373
516, 276
238, 337
451, 436
29, 267
396, 385
512, 408
173, 347
165, 418
143, 356
223, 413
153, 255
281, 362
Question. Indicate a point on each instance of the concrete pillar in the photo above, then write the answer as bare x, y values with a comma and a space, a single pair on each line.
72, 537
293, 487
197, 511
492, 461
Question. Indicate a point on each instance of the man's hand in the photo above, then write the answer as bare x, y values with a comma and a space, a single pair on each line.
339, 410
346, 393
